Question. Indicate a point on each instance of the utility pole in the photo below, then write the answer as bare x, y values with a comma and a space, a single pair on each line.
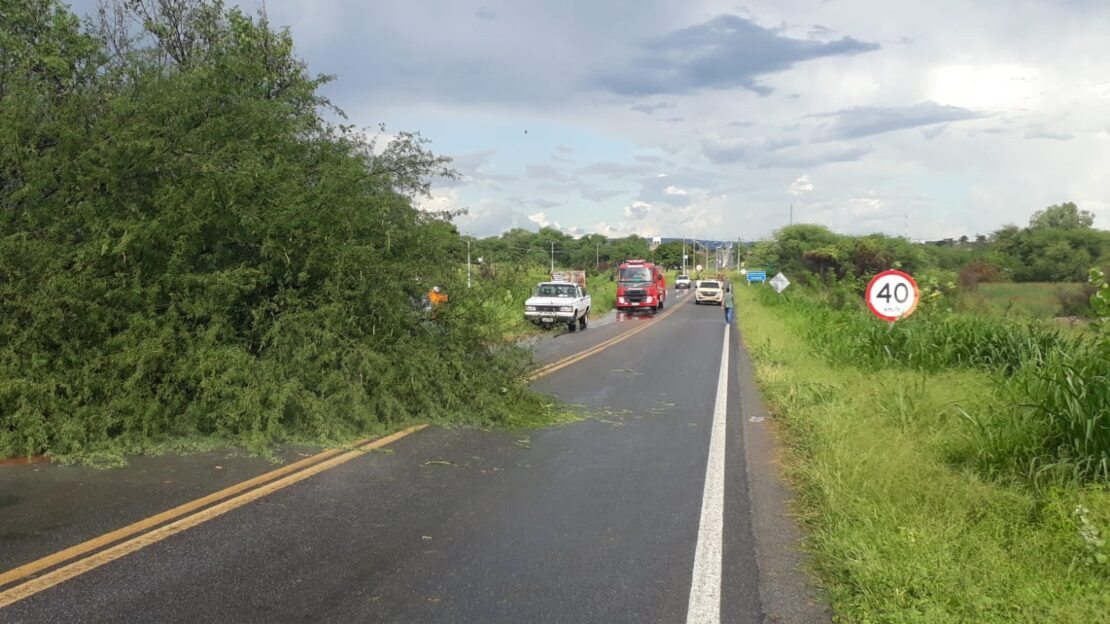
791, 213
597, 256
552, 257
684, 256
468, 264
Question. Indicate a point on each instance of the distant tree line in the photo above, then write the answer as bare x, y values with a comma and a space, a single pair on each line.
518, 248
1060, 244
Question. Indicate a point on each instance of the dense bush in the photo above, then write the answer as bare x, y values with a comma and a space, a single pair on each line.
187, 247
1075, 302
976, 272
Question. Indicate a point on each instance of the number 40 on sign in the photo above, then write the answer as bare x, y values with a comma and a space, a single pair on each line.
892, 295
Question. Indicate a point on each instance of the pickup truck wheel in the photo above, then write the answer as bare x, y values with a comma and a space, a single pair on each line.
584, 321
571, 326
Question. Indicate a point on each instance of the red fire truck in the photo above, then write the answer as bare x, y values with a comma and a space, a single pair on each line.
640, 286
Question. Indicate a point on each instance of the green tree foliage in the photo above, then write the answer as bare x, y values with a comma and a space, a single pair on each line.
629, 248
1066, 216
792, 242
1059, 246
1041, 254
668, 254
813, 250
187, 247
521, 249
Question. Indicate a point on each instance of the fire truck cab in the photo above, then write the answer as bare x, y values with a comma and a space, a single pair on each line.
640, 286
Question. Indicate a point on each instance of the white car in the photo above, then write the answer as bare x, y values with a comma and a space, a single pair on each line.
559, 302
709, 291
682, 281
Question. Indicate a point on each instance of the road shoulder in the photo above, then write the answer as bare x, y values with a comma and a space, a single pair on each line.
787, 594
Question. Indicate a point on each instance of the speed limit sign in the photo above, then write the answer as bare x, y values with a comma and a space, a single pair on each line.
892, 295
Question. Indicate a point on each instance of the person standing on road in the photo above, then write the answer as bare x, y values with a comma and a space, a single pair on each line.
729, 304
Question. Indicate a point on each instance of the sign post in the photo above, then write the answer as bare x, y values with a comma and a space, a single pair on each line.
779, 282
892, 295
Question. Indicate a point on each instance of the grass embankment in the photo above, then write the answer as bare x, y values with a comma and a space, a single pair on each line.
902, 523
1039, 300
603, 295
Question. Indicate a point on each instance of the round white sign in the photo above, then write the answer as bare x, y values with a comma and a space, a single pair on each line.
892, 295
698, 267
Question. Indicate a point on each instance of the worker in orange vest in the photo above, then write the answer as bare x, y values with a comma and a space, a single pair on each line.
437, 296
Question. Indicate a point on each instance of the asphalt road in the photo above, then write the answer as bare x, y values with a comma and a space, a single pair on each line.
600, 520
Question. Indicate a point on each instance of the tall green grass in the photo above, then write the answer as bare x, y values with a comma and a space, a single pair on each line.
504, 295
1055, 425
898, 531
603, 294
1027, 299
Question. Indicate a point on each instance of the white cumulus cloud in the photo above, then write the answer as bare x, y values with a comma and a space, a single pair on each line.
540, 219
637, 210
801, 186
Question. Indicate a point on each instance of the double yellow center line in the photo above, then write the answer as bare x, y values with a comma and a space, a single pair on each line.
601, 346
92, 554
174, 521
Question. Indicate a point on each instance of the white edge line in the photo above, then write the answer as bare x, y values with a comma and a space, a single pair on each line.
705, 588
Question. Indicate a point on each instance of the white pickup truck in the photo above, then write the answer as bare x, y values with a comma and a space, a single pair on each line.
558, 302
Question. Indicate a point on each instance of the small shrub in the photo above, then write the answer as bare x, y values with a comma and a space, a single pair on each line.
1075, 301
976, 272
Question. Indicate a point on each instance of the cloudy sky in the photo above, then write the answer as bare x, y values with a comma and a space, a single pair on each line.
700, 118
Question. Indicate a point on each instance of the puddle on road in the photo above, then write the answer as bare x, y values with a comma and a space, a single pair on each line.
616, 316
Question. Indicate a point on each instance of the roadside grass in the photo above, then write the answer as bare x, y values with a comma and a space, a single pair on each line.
603, 295
899, 530
505, 298
1037, 300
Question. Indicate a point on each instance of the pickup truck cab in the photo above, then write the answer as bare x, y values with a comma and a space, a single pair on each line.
558, 302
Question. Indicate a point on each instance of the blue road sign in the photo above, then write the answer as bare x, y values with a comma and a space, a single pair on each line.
757, 276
